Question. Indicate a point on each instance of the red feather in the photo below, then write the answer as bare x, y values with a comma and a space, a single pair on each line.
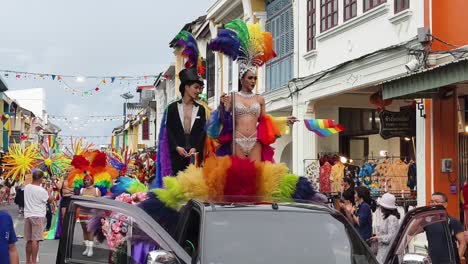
100, 160
241, 180
80, 162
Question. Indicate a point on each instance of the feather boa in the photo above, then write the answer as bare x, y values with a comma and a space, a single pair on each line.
241, 180
234, 179
163, 162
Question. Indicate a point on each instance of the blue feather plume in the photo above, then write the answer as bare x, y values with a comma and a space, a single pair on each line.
227, 43
304, 190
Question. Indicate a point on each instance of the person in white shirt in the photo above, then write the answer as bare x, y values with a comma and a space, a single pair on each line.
35, 200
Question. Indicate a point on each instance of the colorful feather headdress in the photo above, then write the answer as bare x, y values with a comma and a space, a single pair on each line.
246, 43
94, 164
190, 50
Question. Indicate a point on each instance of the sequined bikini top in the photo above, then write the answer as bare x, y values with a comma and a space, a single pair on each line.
254, 109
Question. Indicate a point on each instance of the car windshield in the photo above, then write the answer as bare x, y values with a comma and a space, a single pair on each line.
253, 236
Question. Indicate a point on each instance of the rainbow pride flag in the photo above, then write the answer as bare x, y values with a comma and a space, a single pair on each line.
323, 127
113, 142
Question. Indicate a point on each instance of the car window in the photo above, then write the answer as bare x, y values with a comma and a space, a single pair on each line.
190, 235
281, 237
426, 240
115, 237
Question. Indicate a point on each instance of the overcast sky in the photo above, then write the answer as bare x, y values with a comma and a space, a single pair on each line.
90, 37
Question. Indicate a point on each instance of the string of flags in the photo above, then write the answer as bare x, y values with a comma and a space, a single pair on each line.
91, 118
64, 80
19, 74
323, 127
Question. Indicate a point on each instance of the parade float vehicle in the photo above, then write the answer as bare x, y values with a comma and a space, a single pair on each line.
236, 232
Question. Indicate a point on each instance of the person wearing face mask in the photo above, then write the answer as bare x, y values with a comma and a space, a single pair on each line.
88, 190
247, 130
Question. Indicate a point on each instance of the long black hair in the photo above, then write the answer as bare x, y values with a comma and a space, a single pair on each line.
388, 212
364, 193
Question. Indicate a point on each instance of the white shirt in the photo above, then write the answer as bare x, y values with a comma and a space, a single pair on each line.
35, 201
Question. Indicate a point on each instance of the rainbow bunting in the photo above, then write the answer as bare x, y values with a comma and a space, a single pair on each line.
323, 127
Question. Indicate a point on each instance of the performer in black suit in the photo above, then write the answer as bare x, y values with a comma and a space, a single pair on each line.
186, 121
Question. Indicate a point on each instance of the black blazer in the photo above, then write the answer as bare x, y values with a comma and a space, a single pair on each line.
176, 135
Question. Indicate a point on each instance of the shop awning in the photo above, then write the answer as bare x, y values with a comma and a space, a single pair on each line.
426, 83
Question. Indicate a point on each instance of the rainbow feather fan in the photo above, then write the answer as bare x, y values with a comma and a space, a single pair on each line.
95, 164
246, 43
232, 179
187, 42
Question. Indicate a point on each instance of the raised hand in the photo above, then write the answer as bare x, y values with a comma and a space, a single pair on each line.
226, 102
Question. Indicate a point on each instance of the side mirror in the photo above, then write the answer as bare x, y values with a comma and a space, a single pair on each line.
161, 257
416, 259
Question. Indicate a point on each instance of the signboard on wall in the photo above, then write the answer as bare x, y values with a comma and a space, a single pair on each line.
15, 137
398, 124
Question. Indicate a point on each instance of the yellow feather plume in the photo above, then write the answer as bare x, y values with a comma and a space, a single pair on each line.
282, 124
269, 179
256, 38
214, 172
192, 182
19, 162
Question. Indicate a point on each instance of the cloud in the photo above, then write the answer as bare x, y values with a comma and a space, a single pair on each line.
88, 37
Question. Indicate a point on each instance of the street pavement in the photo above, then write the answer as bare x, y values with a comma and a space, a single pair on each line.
48, 248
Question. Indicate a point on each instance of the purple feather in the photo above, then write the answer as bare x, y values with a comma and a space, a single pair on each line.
165, 216
163, 161
166, 165
190, 48
94, 226
304, 190
227, 123
227, 43
224, 150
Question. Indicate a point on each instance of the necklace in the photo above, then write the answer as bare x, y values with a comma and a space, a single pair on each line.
246, 95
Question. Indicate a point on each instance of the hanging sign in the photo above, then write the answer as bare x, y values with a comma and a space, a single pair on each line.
397, 124
15, 137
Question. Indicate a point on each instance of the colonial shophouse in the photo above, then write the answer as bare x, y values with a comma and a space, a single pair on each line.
348, 60
352, 55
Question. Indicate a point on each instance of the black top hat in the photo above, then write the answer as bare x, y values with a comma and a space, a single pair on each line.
189, 76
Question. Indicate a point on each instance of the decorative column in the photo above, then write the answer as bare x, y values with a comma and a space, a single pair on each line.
421, 159
309, 142
299, 111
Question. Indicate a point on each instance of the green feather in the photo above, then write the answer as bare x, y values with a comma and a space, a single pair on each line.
238, 25
172, 195
286, 188
182, 35
137, 187
78, 183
